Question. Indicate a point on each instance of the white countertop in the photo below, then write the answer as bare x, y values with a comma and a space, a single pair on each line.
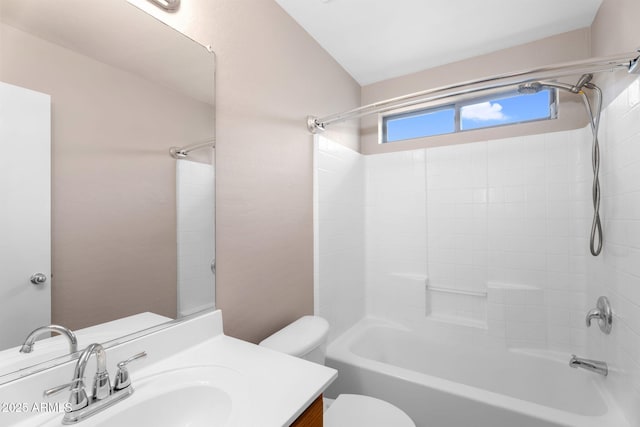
276, 388
280, 387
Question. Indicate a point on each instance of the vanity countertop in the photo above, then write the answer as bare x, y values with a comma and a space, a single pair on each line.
269, 388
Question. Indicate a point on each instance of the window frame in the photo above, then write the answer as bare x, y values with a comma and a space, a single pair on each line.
457, 106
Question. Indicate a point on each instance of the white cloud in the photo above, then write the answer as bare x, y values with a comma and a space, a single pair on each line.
483, 111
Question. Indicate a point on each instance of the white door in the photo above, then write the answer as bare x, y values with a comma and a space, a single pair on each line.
25, 212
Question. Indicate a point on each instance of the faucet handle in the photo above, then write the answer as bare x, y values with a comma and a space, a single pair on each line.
78, 398
592, 314
123, 380
55, 390
603, 314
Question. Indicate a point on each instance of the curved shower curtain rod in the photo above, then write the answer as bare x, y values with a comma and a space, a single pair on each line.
182, 152
629, 61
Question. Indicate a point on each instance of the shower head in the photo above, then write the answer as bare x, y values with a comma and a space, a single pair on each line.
584, 81
530, 88
535, 87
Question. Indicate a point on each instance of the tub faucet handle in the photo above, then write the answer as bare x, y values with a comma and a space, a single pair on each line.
592, 314
603, 313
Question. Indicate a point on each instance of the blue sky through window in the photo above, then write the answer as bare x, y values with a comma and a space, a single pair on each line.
426, 124
514, 108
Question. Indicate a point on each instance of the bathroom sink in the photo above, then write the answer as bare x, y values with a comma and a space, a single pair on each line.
192, 406
193, 376
194, 397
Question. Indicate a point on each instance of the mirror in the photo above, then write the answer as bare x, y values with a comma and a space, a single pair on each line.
93, 94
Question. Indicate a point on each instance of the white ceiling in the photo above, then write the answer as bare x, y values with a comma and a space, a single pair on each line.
376, 40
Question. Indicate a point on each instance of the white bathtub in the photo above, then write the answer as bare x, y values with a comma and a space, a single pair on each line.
456, 385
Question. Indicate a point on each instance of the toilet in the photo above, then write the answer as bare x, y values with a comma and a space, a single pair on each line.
307, 338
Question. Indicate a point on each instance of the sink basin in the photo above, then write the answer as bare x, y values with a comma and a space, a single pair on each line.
198, 406
186, 397
194, 397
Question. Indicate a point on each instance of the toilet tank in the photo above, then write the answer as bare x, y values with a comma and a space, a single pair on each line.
305, 338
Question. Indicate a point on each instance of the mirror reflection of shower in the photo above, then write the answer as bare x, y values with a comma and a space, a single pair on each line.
195, 217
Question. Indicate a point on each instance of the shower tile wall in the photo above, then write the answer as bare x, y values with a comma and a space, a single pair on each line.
396, 246
536, 270
457, 216
538, 225
506, 236
457, 238
616, 272
508, 221
339, 252
499, 228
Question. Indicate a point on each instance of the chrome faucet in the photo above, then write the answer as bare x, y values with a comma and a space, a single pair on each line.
101, 383
27, 347
596, 366
102, 396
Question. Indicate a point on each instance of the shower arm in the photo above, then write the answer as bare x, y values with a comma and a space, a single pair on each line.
628, 61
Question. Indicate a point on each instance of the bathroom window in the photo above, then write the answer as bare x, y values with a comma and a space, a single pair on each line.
498, 110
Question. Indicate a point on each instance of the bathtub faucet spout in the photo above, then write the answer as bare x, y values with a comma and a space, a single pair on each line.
596, 366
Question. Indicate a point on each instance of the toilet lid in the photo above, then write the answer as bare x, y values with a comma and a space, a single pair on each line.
354, 410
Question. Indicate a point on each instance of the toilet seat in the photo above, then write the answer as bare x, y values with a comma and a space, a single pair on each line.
354, 410
307, 338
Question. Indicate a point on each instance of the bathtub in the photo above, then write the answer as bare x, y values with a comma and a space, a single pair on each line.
457, 385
